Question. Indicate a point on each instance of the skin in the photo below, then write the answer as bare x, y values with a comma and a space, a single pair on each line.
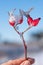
21, 61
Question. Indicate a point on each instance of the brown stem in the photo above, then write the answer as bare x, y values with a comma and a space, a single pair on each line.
21, 35
17, 31
25, 47
26, 29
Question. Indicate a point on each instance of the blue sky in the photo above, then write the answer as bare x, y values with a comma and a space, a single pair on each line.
6, 30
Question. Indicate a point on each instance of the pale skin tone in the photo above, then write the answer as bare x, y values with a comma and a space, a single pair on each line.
21, 61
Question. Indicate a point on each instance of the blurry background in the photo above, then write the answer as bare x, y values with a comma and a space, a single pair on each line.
11, 46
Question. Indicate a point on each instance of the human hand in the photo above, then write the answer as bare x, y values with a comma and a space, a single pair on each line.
21, 61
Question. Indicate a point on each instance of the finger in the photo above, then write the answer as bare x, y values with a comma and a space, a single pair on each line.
7, 63
14, 62
29, 61
18, 61
25, 63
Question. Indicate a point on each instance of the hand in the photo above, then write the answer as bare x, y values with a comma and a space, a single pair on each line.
21, 61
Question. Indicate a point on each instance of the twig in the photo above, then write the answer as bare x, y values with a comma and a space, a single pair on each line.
16, 30
27, 29
30, 10
25, 47
21, 34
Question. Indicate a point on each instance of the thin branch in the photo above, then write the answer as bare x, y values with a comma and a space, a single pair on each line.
27, 29
21, 35
16, 30
14, 10
30, 10
25, 47
16, 25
